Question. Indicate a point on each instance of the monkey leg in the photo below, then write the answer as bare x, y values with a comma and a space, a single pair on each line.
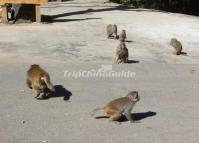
113, 115
28, 83
114, 118
38, 94
116, 59
109, 35
122, 60
178, 52
128, 116
43, 95
126, 60
175, 52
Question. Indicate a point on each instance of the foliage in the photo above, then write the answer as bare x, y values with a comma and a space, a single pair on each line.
183, 6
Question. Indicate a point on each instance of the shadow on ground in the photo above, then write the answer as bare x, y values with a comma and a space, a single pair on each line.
53, 18
48, 19
184, 53
138, 116
128, 41
132, 62
135, 116
60, 91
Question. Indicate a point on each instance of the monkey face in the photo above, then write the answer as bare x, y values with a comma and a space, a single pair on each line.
133, 96
173, 40
137, 98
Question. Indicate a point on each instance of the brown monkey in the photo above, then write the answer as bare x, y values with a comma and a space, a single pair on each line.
176, 45
107, 1
39, 80
122, 36
122, 53
121, 106
111, 31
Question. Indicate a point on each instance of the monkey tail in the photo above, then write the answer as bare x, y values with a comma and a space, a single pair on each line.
48, 83
97, 109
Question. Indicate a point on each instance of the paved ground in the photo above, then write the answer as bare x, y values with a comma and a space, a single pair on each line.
77, 32
75, 41
168, 109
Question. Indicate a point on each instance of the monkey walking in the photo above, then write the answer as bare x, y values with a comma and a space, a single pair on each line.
39, 81
177, 46
122, 53
121, 106
111, 31
122, 36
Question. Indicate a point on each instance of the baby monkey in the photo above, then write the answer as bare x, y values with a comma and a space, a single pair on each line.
121, 106
122, 36
39, 80
176, 45
122, 53
111, 31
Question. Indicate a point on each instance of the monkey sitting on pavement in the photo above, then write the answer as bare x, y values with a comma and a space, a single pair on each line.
121, 106
177, 46
122, 53
111, 30
122, 36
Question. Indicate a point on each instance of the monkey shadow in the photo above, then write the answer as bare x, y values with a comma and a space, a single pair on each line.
135, 116
138, 116
128, 41
184, 53
112, 37
60, 91
132, 62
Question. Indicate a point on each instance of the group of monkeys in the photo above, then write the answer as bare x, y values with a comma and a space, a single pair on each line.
39, 81
122, 53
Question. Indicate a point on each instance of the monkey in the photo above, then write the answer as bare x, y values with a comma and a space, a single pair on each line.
39, 81
107, 1
120, 106
177, 46
111, 30
122, 53
122, 36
